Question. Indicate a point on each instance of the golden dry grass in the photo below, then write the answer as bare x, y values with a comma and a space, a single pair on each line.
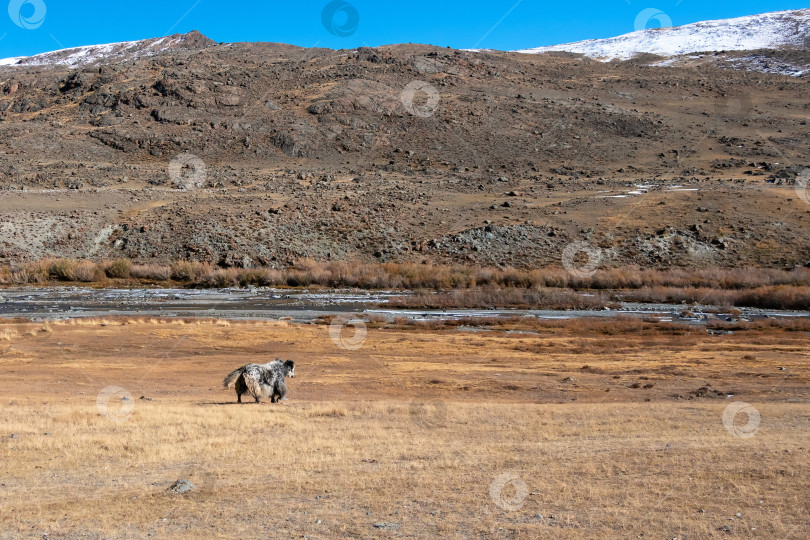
309, 272
411, 433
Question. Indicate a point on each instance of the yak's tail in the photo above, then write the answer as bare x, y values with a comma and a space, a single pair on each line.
232, 377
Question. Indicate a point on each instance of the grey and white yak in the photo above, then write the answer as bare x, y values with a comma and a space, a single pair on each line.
261, 380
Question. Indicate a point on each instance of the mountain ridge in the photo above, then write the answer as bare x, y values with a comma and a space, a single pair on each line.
122, 51
772, 30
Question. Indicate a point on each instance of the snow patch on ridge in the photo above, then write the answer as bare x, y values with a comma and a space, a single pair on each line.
92, 54
767, 31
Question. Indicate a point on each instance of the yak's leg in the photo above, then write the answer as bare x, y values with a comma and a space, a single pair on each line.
254, 388
240, 388
280, 391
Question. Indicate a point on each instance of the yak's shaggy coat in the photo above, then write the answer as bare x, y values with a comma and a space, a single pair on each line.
261, 380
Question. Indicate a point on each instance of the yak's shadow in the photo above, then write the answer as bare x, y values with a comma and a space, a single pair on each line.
234, 403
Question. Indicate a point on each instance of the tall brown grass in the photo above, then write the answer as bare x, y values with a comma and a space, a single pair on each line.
492, 296
151, 272
766, 297
119, 268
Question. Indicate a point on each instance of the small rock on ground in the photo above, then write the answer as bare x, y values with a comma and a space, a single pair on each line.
181, 486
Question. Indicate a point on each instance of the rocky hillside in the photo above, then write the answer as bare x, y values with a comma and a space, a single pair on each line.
259, 153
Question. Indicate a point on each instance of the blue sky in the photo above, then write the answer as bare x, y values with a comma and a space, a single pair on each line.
32, 26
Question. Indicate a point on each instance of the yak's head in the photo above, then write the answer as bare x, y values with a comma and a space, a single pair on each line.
289, 368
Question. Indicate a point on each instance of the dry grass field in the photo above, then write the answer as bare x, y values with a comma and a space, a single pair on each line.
562, 432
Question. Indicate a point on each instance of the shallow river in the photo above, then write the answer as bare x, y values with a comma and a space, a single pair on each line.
301, 306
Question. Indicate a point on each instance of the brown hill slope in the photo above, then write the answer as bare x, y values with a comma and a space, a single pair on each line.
404, 152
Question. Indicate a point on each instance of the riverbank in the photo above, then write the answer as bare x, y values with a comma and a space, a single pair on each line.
444, 287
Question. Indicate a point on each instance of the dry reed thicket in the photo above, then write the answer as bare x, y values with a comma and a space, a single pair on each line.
457, 286
562, 431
